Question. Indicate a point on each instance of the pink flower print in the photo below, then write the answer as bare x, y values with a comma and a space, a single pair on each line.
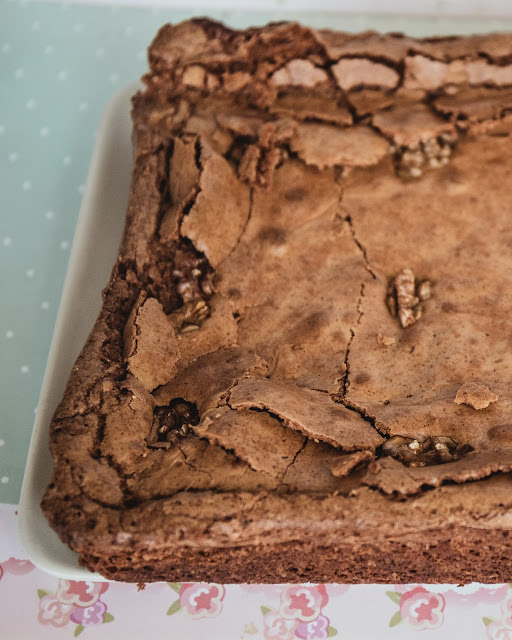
496, 632
299, 602
315, 630
404, 588
89, 615
334, 590
201, 600
277, 628
83, 594
506, 611
17, 567
422, 609
53, 612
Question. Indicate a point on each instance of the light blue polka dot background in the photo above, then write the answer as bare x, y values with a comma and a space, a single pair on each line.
59, 65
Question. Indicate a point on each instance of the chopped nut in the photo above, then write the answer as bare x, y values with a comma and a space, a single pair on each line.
386, 341
411, 160
185, 291
207, 287
424, 290
402, 300
404, 285
171, 422
185, 430
432, 450
398, 447
475, 395
190, 327
406, 317
194, 285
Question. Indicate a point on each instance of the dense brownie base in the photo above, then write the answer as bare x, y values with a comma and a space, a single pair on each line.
472, 556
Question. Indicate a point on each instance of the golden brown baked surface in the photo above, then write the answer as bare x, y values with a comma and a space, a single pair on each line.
302, 366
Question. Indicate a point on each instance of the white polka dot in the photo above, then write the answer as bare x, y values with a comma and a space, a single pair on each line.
62, 75
35, 411
25, 368
83, 106
49, 215
48, 49
6, 47
64, 245
36, 25
44, 132
66, 160
30, 104
2, 129
100, 52
155, 11
142, 54
19, 73
7, 241
78, 28
45, 305
128, 32
27, 185
4, 479
13, 157
2, 442
30, 273
114, 77
81, 188
9, 334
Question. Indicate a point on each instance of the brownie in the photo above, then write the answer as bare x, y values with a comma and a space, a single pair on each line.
301, 370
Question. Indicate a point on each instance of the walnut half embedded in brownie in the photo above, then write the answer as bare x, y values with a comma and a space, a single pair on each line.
301, 370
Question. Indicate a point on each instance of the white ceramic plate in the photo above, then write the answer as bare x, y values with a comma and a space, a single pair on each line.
94, 251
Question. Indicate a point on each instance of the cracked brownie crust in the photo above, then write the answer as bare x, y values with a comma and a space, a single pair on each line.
301, 370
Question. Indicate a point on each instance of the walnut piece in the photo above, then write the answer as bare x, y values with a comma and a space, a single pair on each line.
172, 422
193, 279
475, 395
412, 160
432, 450
404, 296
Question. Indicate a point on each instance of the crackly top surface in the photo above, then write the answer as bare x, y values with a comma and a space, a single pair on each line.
316, 265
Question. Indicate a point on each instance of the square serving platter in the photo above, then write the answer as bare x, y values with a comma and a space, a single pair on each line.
95, 245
